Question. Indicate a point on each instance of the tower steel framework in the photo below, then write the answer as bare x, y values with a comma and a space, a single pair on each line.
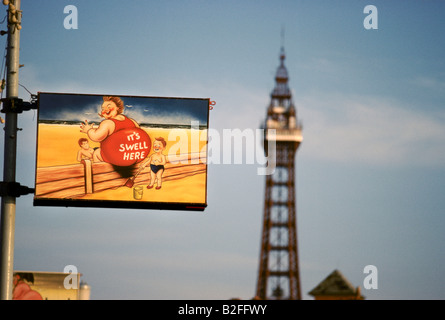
278, 274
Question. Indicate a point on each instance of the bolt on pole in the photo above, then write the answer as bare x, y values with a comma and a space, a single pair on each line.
8, 205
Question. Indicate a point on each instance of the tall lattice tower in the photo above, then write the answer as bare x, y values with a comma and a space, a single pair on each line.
278, 275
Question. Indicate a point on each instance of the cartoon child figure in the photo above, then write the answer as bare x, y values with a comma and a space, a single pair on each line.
157, 161
85, 152
111, 109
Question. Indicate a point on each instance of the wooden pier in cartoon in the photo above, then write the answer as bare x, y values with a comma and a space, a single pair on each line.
77, 180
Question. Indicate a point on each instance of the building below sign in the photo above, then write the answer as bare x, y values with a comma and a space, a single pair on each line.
36, 285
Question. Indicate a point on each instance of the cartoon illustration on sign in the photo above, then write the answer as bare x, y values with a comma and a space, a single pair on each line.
121, 151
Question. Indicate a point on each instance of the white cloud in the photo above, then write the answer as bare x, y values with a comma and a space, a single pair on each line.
429, 83
371, 130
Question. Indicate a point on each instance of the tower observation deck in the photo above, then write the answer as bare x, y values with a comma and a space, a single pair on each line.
278, 273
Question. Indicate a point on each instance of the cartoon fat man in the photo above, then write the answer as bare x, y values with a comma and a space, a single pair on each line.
111, 110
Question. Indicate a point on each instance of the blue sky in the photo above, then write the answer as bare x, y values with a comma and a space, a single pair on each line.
370, 171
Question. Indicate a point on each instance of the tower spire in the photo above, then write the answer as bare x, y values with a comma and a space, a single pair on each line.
281, 94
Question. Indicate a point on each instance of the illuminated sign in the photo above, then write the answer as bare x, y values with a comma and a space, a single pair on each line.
121, 151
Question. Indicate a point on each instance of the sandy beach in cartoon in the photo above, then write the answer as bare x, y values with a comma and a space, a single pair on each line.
63, 152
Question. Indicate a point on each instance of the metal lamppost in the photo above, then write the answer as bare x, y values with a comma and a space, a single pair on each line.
10, 150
